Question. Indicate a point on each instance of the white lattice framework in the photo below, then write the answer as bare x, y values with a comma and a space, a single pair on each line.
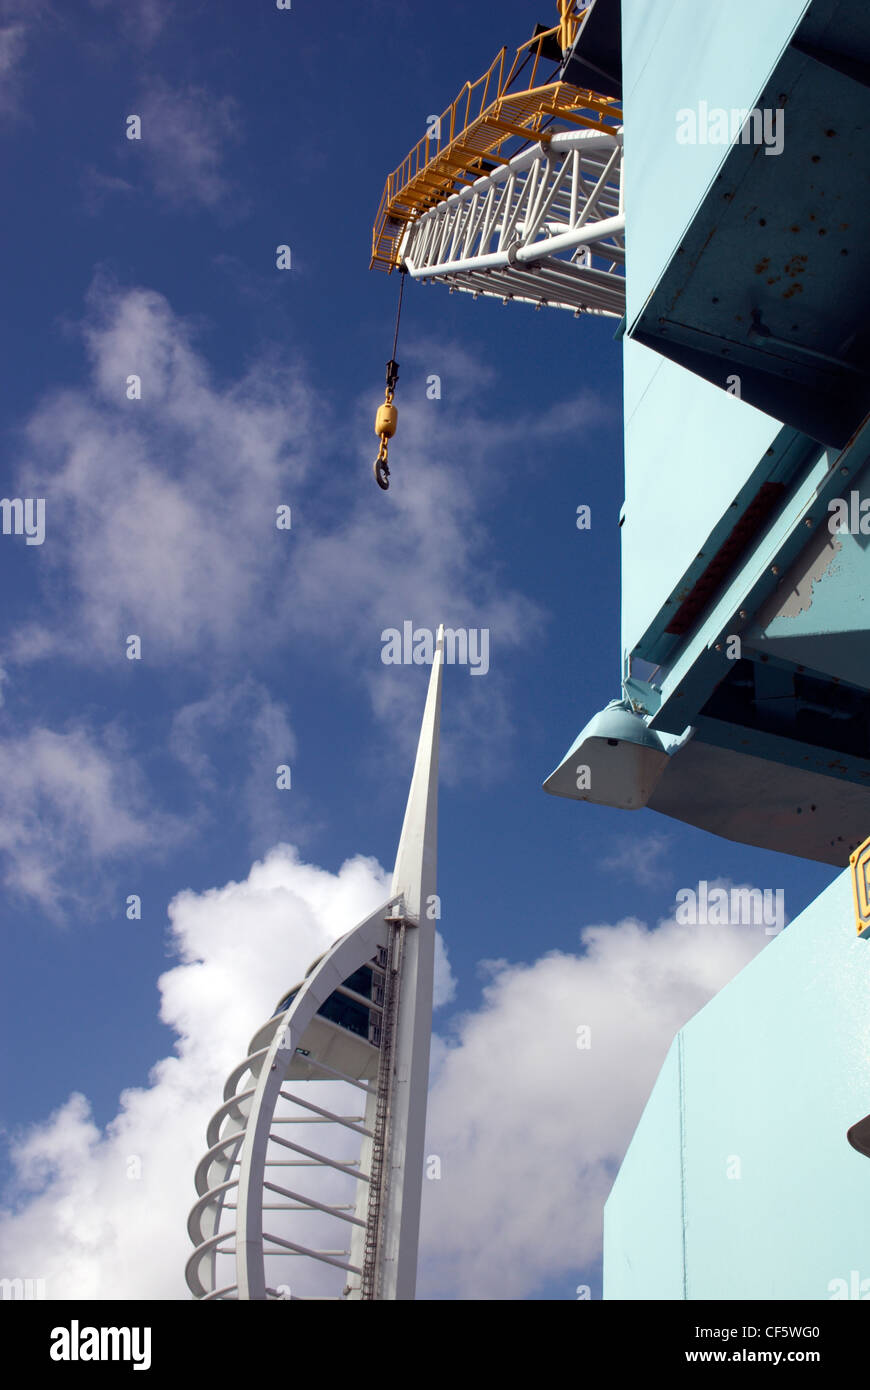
338, 1201
547, 228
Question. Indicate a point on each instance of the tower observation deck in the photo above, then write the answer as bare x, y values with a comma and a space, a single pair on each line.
315, 1158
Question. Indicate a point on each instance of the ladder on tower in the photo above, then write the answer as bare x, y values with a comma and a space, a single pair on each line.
369, 1279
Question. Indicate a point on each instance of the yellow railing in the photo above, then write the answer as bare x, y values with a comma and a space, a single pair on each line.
570, 15
471, 130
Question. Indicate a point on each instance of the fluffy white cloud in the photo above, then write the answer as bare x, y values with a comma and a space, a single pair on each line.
640, 858
530, 1127
77, 1217
69, 800
142, 20
13, 46
445, 981
160, 520
97, 187
20, 24
257, 726
77, 802
185, 133
160, 513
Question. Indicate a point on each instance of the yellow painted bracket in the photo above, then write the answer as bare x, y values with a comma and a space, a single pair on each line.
860, 863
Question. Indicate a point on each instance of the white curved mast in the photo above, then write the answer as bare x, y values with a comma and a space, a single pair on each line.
362, 1018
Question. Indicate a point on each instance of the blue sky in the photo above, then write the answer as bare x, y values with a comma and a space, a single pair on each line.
259, 647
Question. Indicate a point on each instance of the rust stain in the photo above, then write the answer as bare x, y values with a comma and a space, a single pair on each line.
762, 265
796, 265
795, 289
796, 592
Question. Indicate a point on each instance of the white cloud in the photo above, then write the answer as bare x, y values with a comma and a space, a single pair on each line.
19, 23
69, 800
640, 858
261, 737
160, 520
445, 981
160, 513
97, 187
243, 707
13, 46
185, 134
529, 1128
75, 1216
143, 20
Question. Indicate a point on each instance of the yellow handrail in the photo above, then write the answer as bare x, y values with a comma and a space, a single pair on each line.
569, 23
466, 91
481, 122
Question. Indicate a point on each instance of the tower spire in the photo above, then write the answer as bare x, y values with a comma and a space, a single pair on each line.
414, 874
363, 1016
407, 1051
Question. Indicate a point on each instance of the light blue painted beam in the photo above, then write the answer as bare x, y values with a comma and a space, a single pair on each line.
677, 53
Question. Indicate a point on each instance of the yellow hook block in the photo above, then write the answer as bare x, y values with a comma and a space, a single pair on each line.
386, 420
385, 427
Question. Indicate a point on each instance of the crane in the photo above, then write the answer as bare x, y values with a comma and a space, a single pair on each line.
514, 192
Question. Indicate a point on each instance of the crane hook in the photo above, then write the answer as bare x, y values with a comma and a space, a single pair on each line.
387, 416
381, 467
385, 426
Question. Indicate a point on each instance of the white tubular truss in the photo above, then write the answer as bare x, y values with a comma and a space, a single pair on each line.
238, 1224
547, 228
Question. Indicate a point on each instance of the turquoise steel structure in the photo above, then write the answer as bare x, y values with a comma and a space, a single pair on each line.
739, 1182
746, 385
745, 700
